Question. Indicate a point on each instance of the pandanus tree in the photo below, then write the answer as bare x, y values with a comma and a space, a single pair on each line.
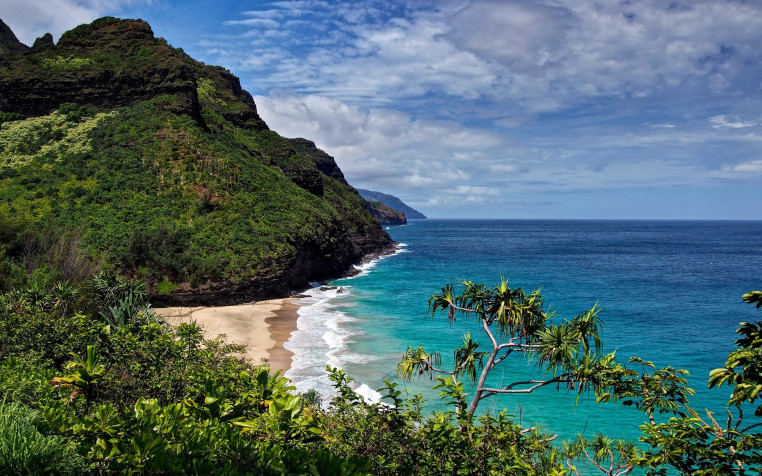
517, 325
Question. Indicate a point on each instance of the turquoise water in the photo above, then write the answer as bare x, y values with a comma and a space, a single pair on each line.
671, 293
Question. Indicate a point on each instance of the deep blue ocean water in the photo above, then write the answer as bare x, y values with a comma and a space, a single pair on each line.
670, 291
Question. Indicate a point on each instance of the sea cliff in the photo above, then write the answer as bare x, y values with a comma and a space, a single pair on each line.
121, 152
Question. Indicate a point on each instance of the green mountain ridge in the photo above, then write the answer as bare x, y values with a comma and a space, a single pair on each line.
392, 202
118, 151
386, 215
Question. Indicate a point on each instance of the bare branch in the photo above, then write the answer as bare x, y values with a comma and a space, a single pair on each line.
503, 357
535, 385
548, 440
491, 337
740, 418
751, 427
463, 309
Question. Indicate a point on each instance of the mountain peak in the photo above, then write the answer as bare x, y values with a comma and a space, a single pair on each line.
162, 169
111, 63
107, 32
8, 41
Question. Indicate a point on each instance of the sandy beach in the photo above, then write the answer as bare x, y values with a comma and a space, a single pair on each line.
262, 326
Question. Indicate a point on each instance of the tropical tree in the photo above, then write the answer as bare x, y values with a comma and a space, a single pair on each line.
693, 444
517, 326
688, 441
614, 457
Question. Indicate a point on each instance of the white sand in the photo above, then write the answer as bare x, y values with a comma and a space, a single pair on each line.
244, 324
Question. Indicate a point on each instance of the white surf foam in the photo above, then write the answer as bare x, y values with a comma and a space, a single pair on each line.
368, 394
323, 336
365, 268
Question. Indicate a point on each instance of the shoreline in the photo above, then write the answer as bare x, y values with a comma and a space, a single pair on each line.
222, 293
281, 325
262, 326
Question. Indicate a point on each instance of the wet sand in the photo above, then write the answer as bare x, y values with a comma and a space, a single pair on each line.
263, 327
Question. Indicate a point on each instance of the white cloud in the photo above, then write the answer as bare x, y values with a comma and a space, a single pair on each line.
256, 22
382, 146
526, 55
754, 166
722, 122
474, 190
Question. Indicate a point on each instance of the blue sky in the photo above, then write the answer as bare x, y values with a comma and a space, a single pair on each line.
492, 108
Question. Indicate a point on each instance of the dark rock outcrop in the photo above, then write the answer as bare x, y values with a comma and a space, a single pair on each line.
43, 42
386, 216
111, 63
325, 163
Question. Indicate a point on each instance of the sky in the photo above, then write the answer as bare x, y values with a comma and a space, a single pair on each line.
603, 109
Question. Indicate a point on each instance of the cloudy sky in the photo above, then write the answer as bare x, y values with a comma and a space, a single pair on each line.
492, 108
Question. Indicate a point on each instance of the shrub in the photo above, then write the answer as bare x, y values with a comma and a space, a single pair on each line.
24, 450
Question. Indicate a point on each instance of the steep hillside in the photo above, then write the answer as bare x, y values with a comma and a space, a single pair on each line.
386, 215
325, 163
393, 202
118, 151
8, 42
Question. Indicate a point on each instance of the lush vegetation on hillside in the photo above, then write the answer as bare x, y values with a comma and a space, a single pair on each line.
181, 183
386, 215
116, 390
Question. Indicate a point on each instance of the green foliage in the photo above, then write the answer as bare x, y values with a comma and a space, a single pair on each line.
153, 189
68, 63
743, 367
87, 372
515, 324
26, 451
47, 138
165, 286
26, 380
612, 457
164, 400
399, 440
9, 116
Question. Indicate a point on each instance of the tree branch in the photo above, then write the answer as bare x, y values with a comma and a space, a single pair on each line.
511, 347
535, 385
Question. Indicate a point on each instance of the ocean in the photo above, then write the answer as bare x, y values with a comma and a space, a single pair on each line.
670, 292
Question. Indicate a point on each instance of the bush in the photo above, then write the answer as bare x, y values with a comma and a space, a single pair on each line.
24, 450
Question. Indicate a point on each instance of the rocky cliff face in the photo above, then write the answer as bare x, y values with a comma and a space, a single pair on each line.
386, 216
111, 63
393, 202
161, 168
325, 163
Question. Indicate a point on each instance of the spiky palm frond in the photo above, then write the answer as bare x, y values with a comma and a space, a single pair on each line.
417, 361
468, 359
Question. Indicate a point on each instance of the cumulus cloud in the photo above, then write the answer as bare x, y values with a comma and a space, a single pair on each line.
378, 147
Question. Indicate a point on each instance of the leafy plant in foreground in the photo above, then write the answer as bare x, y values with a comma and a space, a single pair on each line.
26, 451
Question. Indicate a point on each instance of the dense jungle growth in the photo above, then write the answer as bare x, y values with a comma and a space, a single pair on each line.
116, 390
